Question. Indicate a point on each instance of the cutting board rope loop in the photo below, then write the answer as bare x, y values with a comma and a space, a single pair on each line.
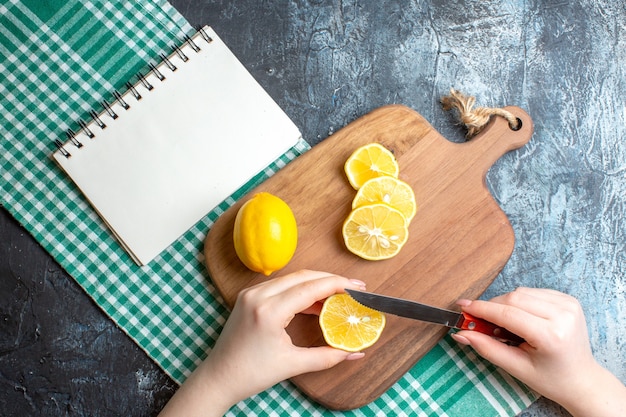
475, 119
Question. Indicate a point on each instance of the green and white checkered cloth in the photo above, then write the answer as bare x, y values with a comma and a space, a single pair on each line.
60, 59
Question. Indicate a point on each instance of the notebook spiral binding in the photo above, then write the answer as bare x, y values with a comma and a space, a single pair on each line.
132, 90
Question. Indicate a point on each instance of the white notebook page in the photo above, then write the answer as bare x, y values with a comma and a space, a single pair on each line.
180, 150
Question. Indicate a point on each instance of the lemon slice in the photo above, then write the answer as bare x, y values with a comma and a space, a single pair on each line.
392, 191
370, 161
375, 231
349, 325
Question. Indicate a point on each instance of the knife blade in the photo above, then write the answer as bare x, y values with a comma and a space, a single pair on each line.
418, 311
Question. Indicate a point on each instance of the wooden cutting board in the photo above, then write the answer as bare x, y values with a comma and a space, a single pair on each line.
459, 239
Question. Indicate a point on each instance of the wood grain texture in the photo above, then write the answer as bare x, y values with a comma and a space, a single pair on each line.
459, 240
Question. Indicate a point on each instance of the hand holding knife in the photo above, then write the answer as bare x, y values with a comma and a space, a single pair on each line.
423, 312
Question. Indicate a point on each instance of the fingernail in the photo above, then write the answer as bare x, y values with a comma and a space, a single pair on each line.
461, 339
358, 282
463, 302
354, 356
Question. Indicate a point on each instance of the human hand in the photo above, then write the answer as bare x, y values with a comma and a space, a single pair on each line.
254, 350
556, 360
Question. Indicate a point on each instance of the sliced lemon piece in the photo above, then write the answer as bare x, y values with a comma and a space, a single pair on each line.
349, 325
370, 161
375, 231
389, 190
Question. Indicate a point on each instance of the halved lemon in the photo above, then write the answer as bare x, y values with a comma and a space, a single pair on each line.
375, 231
370, 161
348, 325
389, 190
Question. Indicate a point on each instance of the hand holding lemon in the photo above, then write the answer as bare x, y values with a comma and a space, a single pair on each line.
254, 350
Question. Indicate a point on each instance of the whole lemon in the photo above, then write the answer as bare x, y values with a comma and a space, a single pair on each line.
265, 233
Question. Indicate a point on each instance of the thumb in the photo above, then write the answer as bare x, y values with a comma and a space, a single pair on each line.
324, 357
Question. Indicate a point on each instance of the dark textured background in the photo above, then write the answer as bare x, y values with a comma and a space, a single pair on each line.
327, 63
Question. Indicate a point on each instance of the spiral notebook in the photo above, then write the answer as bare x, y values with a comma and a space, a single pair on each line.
183, 138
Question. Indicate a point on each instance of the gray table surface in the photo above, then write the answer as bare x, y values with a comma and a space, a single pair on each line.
327, 63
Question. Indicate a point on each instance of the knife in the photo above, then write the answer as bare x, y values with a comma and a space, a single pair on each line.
423, 312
